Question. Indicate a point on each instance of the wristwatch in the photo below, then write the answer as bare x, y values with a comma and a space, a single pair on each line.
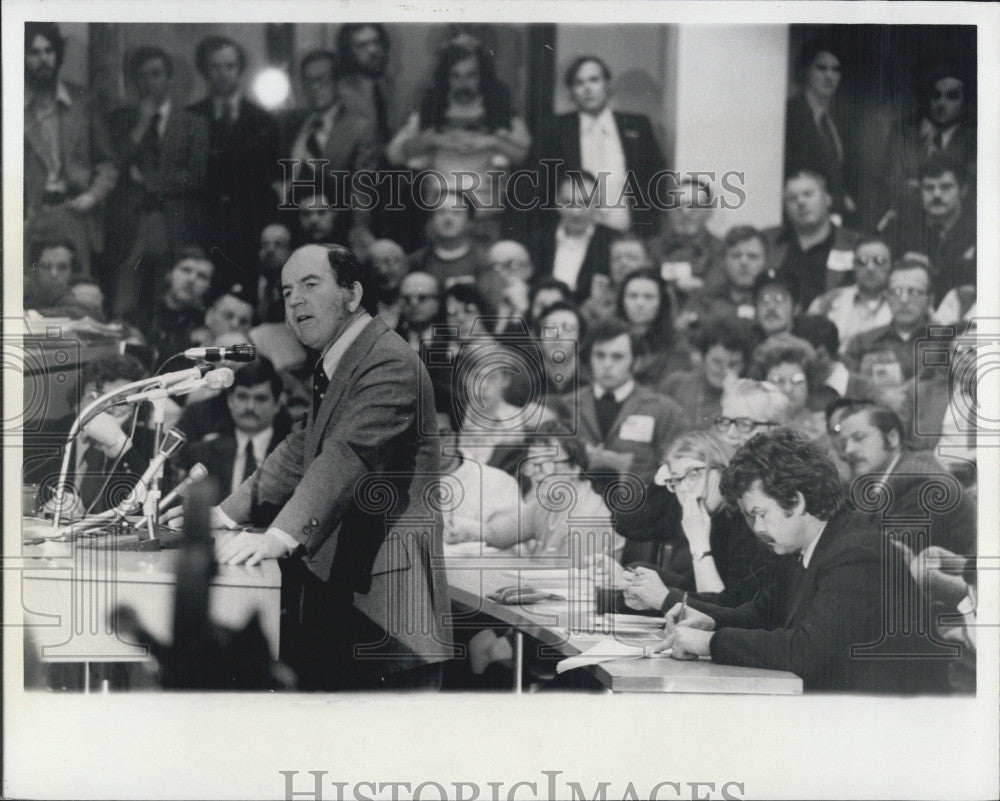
699, 555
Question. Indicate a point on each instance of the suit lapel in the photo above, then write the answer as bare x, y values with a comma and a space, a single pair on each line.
588, 414
225, 452
624, 411
574, 155
338, 384
33, 136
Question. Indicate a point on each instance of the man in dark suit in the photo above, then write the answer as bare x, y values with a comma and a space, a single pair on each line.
619, 147
572, 247
338, 139
242, 163
817, 133
254, 404
872, 439
162, 154
346, 493
833, 618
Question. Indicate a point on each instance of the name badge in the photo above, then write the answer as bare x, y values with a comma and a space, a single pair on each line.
840, 261
637, 428
675, 270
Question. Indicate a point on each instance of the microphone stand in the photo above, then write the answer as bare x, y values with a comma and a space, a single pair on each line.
150, 507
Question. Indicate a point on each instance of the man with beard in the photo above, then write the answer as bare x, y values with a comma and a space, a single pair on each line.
69, 166
366, 85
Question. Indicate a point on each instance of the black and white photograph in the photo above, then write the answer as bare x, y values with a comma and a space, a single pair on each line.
482, 401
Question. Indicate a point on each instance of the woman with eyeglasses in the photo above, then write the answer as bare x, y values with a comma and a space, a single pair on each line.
788, 363
555, 469
714, 555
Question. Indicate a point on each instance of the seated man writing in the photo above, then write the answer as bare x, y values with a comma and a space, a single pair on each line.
820, 618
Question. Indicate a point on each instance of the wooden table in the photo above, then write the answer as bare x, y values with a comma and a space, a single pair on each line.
69, 591
571, 625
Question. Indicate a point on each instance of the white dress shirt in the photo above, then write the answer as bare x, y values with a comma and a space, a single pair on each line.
259, 443
620, 394
807, 553
570, 254
601, 153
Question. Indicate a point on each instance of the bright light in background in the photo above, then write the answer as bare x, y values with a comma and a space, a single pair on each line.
271, 87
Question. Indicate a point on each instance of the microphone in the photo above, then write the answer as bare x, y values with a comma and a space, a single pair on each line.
235, 353
221, 378
197, 474
173, 441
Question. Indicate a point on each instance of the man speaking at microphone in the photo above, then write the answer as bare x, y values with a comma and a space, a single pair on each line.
349, 492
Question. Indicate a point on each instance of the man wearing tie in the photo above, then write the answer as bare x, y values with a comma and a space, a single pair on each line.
162, 154
345, 495
254, 403
338, 139
619, 148
836, 616
242, 163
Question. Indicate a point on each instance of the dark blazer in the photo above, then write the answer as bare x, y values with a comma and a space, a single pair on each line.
820, 622
219, 454
176, 189
238, 198
744, 565
542, 247
43, 467
804, 149
920, 488
661, 418
352, 145
559, 139
352, 488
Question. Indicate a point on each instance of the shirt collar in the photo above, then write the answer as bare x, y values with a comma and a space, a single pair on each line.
605, 121
62, 97
339, 347
838, 378
808, 550
562, 236
620, 394
233, 101
327, 117
260, 441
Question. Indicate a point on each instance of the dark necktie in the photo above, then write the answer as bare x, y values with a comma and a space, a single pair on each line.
90, 483
147, 155
607, 411
381, 113
250, 463
829, 138
227, 118
312, 143
320, 385
938, 144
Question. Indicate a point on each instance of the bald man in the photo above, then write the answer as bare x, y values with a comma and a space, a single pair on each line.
389, 262
504, 281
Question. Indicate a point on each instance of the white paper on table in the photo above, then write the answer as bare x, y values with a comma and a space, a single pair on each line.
608, 650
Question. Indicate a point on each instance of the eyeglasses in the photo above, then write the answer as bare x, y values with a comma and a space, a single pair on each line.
773, 297
743, 424
904, 292
951, 94
419, 298
790, 381
874, 261
692, 477
546, 466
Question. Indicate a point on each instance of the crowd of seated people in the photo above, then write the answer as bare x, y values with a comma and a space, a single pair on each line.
598, 341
